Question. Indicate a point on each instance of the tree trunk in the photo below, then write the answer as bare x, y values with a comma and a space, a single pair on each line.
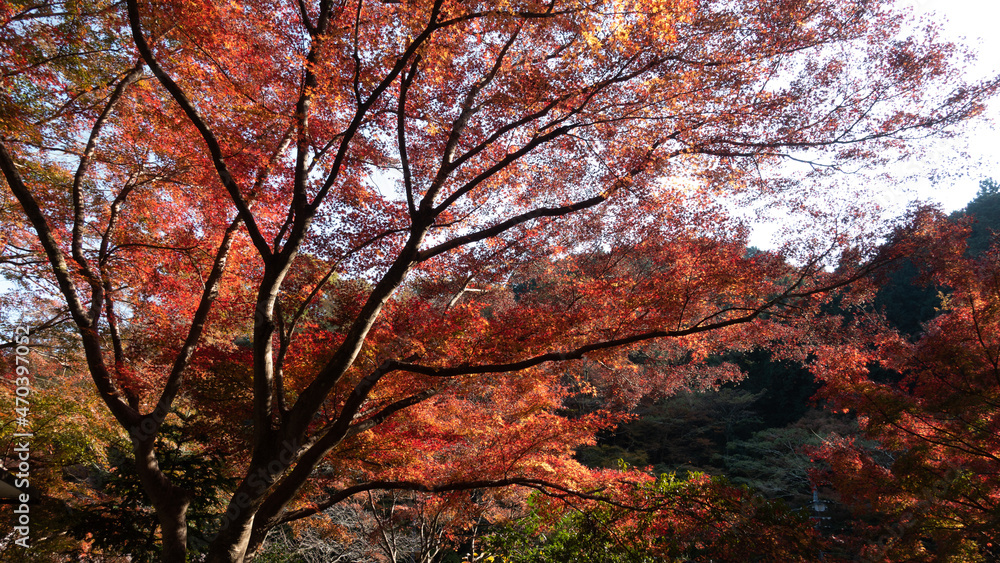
232, 542
169, 502
230, 546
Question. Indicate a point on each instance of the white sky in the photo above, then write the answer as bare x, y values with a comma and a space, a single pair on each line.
972, 23
950, 173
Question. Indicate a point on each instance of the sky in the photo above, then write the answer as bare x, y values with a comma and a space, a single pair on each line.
951, 170
973, 23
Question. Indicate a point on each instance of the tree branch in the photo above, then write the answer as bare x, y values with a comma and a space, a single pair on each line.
206, 132
183, 358
543, 486
86, 326
97, 287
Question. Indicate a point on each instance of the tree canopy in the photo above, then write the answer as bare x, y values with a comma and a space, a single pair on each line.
374, 246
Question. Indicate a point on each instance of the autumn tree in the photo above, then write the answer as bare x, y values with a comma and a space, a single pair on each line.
68, 428
301, 223
930, 493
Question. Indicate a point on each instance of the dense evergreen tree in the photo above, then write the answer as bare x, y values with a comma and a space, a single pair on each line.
907, 300
984, 215
783, 387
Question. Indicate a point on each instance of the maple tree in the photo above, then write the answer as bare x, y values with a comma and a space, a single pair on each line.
930, 492
67, 433
373, 246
